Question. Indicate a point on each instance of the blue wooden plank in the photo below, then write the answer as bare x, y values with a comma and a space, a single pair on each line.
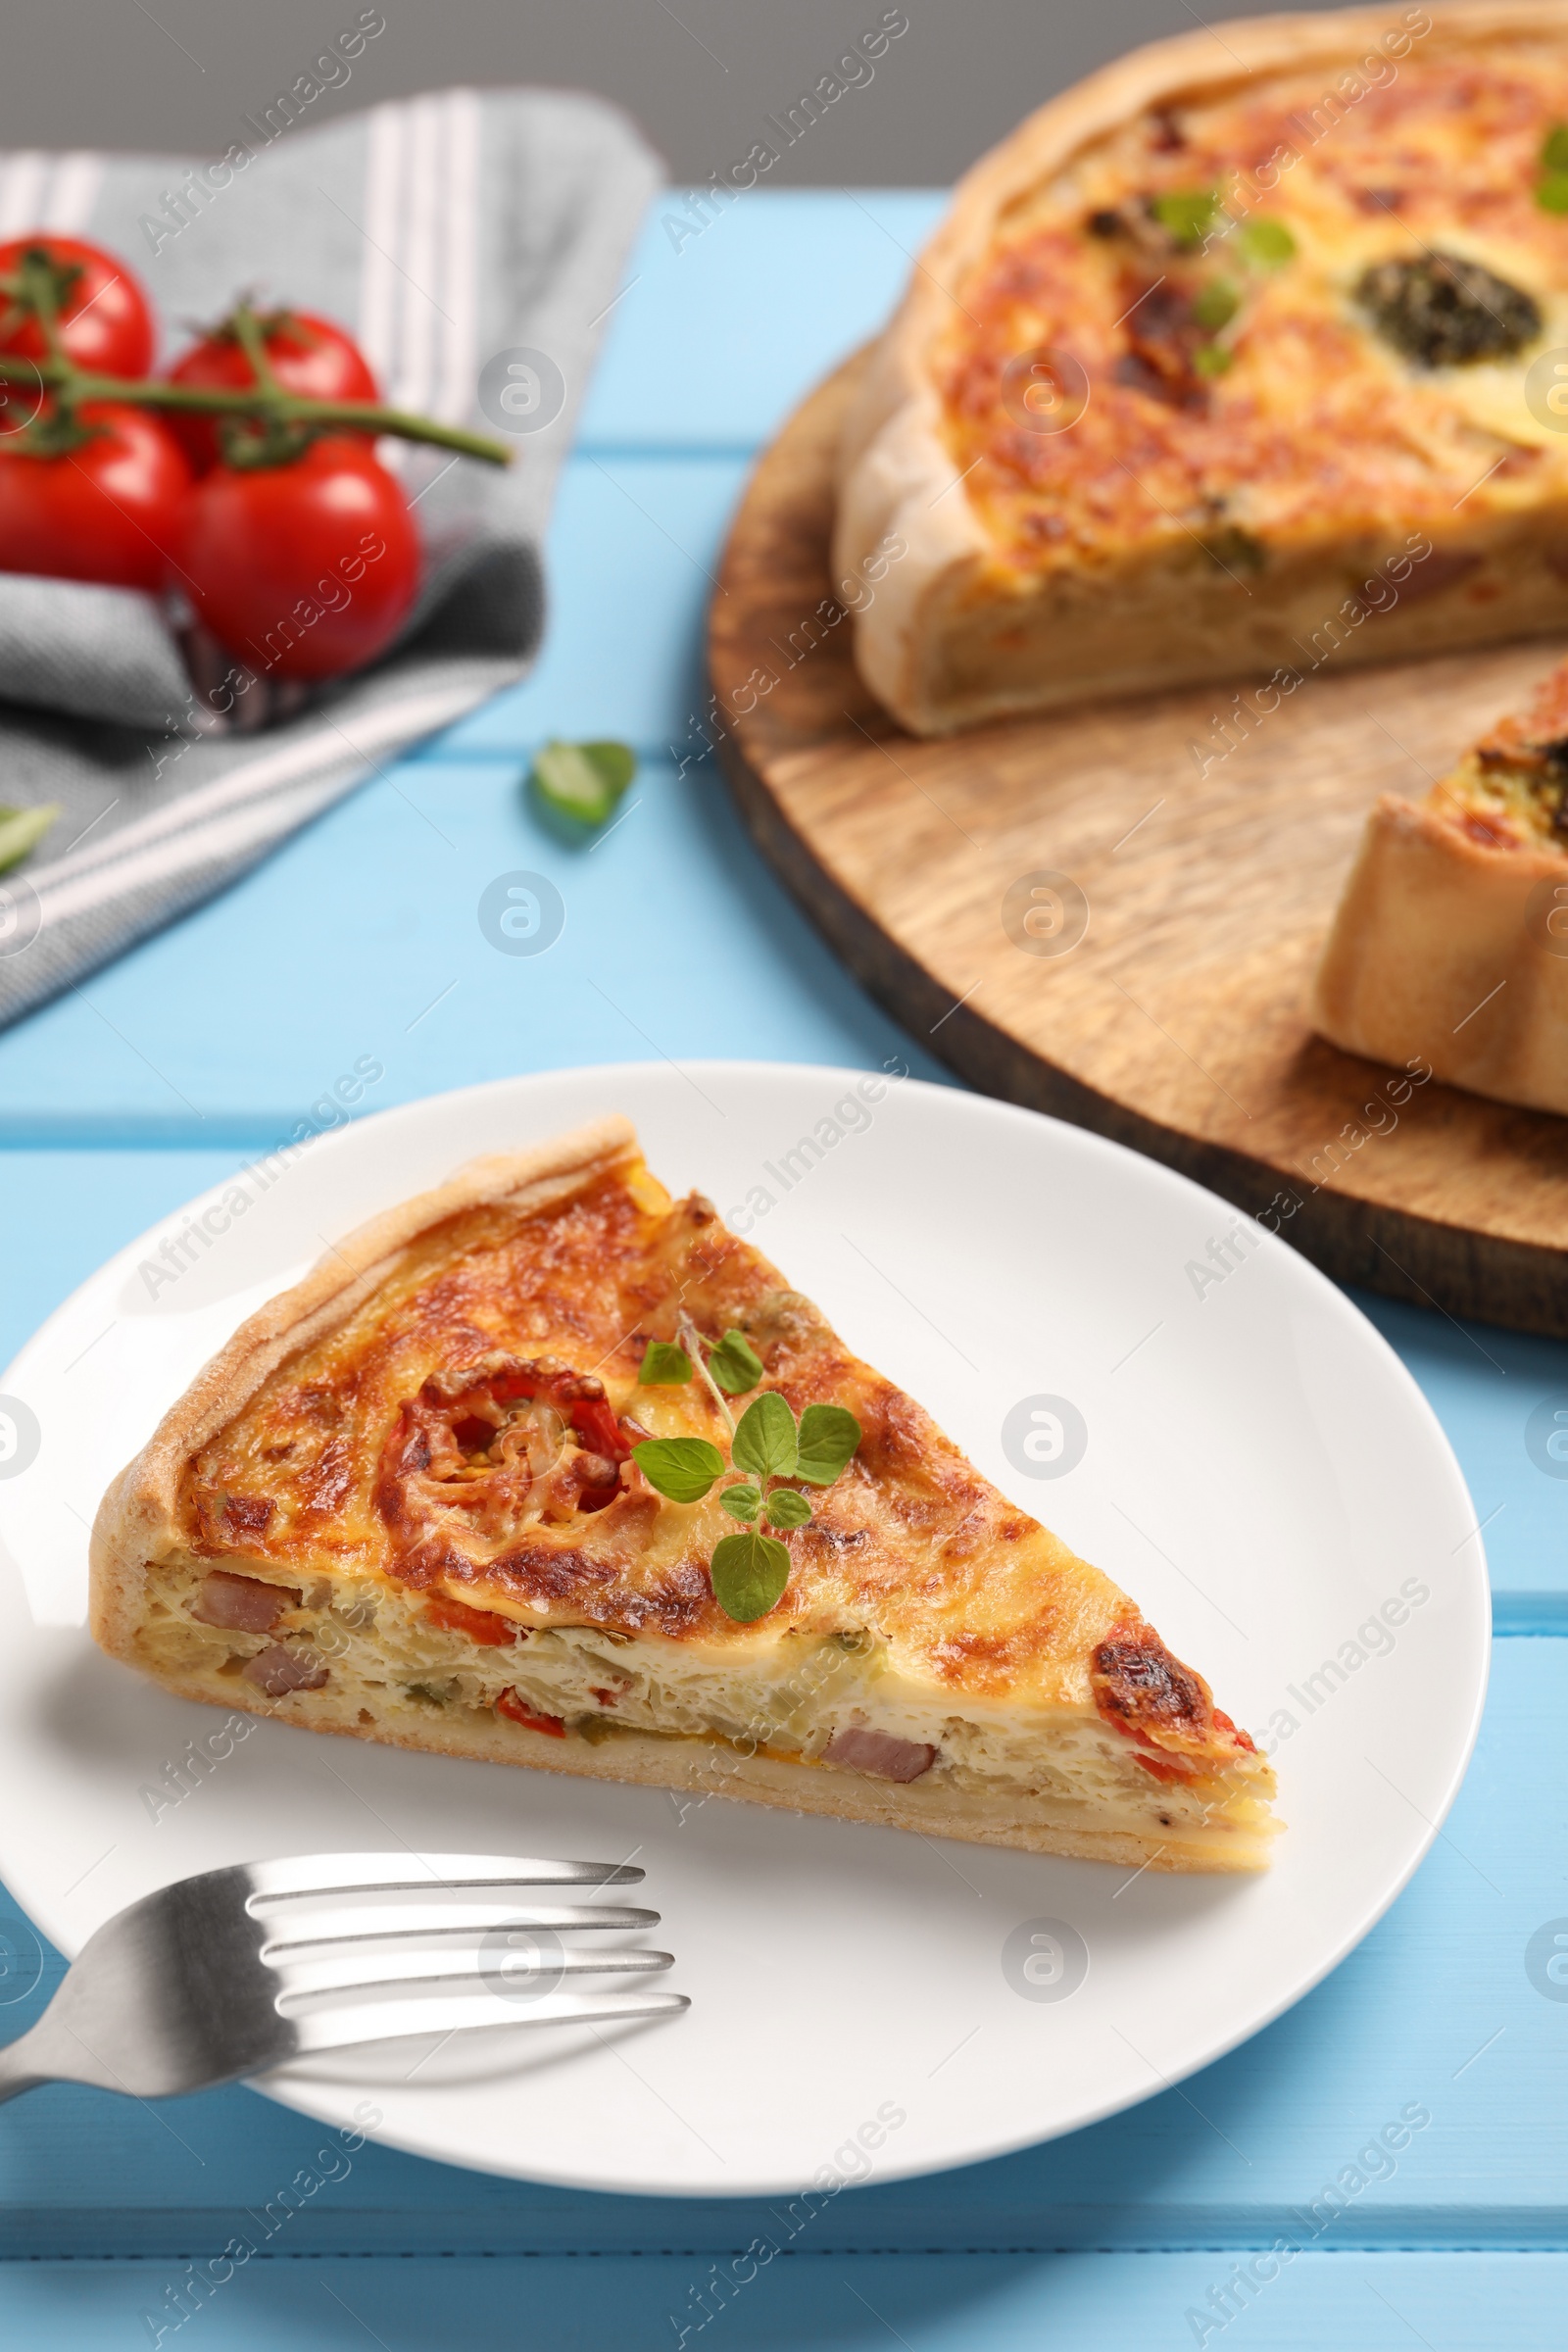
633, 554
722, 329
1437, 2014
64, 1212
1491, 1390
361, 939
1455, 2302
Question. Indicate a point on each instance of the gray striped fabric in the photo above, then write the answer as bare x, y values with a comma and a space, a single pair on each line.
444, 230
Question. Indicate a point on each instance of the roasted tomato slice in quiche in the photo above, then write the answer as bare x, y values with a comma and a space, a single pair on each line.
1451, 942
549, 1468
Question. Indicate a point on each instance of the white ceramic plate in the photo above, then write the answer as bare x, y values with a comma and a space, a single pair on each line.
1258, 1470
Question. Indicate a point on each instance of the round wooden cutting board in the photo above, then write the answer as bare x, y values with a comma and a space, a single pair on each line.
1084, 913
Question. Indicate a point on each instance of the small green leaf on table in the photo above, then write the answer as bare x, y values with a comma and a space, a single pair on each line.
21, 830
583, 780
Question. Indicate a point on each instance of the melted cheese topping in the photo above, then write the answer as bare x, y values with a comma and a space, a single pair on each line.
1310, 427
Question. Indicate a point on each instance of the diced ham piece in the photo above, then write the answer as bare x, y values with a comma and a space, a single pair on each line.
879, 1754
279, 1670
241, 1604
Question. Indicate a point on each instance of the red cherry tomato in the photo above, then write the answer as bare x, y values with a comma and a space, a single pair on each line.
106, 322
304, 569
307, 354
113, 509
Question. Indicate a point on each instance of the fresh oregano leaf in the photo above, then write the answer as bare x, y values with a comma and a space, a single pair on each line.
741, 1502
1186, 213
683, 1468
829, 1437
1555, 149
1215, 305
787, 1508
735, 1364
748, 1574
1266, 244
583, 780
764, 1437
1552, 192
663, 1365
21, 830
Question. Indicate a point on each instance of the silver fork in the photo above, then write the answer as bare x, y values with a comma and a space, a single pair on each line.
240, 1970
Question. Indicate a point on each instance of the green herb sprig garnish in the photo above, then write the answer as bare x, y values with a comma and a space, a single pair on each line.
1196, 220
750, 1569
1196, 217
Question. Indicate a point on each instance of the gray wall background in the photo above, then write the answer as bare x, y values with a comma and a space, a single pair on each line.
699, 74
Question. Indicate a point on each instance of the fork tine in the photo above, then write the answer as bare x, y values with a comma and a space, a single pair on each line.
301, 1924
395, 2020
352, 1971
339, 1874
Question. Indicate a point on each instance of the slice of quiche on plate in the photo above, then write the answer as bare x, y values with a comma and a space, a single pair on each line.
549, 1468
1450, 941
1212, 349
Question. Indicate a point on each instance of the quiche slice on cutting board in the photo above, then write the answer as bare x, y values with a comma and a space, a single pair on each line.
1450, 941
549, 1468
1241, 352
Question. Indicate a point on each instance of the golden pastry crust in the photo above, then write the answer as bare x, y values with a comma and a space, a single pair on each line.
400, 1505
1450, 944
1232, 474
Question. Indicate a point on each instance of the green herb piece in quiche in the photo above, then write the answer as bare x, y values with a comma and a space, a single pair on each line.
1186, 215
1267, 244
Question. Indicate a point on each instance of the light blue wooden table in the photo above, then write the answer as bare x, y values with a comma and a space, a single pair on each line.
361, 939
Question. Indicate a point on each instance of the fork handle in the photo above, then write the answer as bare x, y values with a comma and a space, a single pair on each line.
16, 2074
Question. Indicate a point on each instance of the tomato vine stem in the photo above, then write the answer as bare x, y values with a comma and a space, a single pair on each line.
284, 419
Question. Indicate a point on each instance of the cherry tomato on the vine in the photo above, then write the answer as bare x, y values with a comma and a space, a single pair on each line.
112, 508
308, 355
106, 322
303, 569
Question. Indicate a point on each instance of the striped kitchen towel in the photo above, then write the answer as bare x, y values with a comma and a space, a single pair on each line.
454, 232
